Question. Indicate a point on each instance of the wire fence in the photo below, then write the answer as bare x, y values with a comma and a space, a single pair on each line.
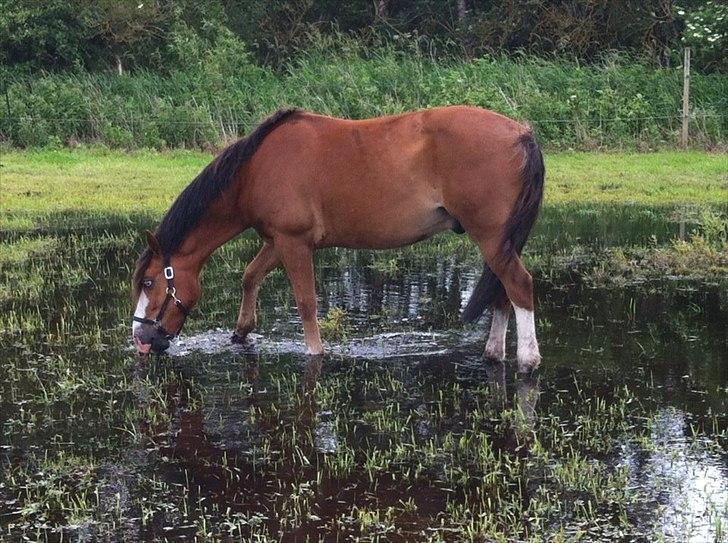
215, 129
145, 118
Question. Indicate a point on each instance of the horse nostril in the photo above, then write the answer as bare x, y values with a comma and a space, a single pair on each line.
145, 335
160, 344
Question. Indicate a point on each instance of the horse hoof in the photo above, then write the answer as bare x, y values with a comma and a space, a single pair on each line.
528, 365
237, 339
494, 355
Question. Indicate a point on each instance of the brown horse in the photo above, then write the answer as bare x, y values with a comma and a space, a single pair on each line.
305, 181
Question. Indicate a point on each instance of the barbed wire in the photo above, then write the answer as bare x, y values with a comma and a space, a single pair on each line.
219, 121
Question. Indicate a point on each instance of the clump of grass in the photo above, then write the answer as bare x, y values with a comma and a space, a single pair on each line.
704, 254
25, 248
334, 326
57, 488
712, 229
386, 265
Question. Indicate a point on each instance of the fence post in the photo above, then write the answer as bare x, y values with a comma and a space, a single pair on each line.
686, 98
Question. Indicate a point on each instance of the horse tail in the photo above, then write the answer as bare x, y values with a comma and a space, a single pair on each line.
518, 227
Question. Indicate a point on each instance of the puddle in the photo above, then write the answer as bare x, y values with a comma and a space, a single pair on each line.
400, 433
377, 347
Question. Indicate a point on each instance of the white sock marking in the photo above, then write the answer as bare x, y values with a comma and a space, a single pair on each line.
496, 345
528, 353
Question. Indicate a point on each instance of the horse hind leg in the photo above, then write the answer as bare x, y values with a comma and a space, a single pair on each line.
495, 348
518, 285
529, 356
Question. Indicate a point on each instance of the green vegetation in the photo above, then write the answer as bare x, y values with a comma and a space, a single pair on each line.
377, 443
85, 187
703, 255
616, 103
126, 34
44, 182
197, 74
402, 432
378, 449
334, 326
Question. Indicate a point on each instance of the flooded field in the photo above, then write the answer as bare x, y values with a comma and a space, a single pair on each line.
400, 433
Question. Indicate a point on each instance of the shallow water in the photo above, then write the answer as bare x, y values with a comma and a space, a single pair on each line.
401, 432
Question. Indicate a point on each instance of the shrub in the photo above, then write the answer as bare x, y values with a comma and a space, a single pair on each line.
222, 93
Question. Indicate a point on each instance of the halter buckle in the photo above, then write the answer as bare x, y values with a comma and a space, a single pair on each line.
171, 293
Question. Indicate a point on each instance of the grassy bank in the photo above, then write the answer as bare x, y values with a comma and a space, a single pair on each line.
618, 103
99, 180
593, 201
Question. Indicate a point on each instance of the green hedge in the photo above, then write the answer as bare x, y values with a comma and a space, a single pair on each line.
616, 103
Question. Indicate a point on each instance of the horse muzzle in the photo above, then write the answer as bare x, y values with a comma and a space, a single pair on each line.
154, 342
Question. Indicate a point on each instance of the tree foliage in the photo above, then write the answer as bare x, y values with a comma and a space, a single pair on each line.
706, 30
44, 34
106, 34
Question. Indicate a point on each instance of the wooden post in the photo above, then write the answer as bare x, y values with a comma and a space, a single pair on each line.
462, 9
686, 98
381, 10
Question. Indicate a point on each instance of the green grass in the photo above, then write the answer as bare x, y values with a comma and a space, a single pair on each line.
104, 181
662, 178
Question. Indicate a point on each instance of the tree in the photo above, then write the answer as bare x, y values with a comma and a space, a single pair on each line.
706, 31
51, 34
122, 24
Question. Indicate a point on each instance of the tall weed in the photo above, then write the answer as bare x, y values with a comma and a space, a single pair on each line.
222, 93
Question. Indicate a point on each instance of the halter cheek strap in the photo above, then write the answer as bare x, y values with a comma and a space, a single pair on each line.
171, 296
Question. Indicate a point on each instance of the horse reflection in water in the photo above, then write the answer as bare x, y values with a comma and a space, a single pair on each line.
222, 452
220, 448
526, 398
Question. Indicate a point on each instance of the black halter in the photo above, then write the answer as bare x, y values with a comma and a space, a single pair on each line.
171, 296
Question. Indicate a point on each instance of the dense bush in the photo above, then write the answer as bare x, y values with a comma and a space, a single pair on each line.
222, 92
199, 73
130, 34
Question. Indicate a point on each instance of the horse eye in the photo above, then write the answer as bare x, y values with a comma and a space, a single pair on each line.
147, 283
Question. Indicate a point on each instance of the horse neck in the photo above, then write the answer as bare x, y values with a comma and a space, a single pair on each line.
220, 224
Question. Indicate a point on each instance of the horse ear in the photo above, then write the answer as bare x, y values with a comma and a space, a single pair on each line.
153, 243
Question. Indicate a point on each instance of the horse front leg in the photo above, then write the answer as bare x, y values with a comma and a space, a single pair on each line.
297, 259
263, 263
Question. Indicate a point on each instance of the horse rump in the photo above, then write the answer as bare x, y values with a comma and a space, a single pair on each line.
489, 288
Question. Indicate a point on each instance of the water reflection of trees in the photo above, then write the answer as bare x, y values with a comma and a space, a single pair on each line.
683, 485
407, 296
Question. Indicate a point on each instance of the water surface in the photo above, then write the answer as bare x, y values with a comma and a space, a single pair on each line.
401, 432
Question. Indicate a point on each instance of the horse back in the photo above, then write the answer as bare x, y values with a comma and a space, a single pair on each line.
383, 182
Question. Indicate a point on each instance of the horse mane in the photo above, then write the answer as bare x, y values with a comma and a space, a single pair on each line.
191, 205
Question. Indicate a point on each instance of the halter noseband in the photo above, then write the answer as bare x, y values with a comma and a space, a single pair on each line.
171, 296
